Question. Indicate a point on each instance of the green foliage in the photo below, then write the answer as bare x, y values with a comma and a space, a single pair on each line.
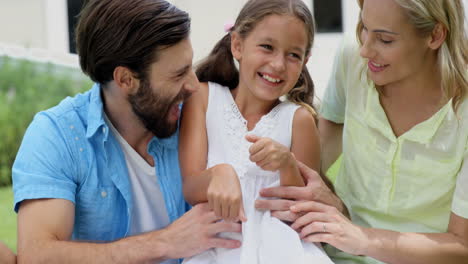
26, 88
8, 223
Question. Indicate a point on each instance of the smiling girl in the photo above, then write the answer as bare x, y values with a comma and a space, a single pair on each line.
237, 136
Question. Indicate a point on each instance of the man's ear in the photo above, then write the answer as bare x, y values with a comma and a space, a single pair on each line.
125, 80
236, 45
438, 36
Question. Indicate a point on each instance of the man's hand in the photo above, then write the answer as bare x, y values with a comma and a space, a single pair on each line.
315, 190
195, 232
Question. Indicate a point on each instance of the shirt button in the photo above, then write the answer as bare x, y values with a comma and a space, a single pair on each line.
81, 149
103, 194
76, 138
103, 130
72, 127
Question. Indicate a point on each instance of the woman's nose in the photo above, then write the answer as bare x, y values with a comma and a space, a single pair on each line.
367, 50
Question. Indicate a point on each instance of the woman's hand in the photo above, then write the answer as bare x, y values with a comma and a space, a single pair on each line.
224, 193
269, 154
324, 223
315, 190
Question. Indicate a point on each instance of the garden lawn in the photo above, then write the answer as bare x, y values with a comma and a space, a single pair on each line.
7, 218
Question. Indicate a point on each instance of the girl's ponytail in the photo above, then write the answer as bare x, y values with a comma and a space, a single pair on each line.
219, 66
303, 92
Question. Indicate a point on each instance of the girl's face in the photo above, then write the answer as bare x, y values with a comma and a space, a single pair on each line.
394, 50
272, 56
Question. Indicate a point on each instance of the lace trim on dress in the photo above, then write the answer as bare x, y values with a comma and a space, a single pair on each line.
236, 130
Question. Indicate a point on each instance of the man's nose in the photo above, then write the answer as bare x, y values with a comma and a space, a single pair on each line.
192, 85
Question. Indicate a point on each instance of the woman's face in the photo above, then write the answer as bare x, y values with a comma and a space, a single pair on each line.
392, 46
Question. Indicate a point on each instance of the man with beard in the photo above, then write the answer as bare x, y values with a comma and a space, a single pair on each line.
96, 179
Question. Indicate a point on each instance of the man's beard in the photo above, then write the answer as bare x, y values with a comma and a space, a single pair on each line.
153, 110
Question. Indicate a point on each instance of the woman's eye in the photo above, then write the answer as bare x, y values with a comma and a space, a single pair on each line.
385, 41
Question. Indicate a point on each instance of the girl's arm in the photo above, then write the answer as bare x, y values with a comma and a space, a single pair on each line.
219, 185
270, 155
305, 146
305, 139
193, 147
323, 223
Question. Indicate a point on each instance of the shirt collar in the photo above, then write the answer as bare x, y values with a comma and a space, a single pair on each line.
96, 113
171, 142
422, 132
96, 122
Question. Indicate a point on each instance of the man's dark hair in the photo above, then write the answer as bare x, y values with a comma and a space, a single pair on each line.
129, 33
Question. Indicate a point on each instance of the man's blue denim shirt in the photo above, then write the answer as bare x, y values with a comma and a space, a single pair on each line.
69, 153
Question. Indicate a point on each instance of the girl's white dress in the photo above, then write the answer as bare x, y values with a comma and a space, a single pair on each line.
265, 239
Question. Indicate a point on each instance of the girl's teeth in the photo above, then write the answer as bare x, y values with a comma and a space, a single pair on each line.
270, 79
377, 65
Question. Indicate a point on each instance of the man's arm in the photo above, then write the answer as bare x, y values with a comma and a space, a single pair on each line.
6, 255
45, 227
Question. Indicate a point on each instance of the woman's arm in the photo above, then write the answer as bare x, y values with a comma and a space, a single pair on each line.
324, 223
331, 135
395, 247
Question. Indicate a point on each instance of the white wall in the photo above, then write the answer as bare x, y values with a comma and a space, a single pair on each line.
209, 17
23, 23
35, 23
43, 24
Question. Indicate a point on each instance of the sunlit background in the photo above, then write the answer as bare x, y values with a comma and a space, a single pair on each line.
38, 66
43, 29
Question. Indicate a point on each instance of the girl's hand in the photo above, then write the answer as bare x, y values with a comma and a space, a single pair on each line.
269, 154
224, 193
324, 223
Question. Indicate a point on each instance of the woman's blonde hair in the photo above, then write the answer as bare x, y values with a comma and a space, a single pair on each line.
424, 15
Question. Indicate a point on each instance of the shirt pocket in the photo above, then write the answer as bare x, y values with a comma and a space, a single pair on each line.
100, 214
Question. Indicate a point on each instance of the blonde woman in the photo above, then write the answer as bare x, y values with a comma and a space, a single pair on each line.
397, 105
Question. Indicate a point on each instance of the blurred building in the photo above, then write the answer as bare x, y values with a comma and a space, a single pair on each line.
43, 29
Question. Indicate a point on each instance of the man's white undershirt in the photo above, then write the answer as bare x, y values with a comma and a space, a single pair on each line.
149, 210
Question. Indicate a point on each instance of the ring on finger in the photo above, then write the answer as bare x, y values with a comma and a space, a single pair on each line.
324, 228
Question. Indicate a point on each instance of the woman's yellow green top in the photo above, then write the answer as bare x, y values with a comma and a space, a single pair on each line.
409, 183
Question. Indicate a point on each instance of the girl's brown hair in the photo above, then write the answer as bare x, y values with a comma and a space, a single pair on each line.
219, 66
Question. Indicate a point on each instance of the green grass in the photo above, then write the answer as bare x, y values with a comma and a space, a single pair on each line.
7, 218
